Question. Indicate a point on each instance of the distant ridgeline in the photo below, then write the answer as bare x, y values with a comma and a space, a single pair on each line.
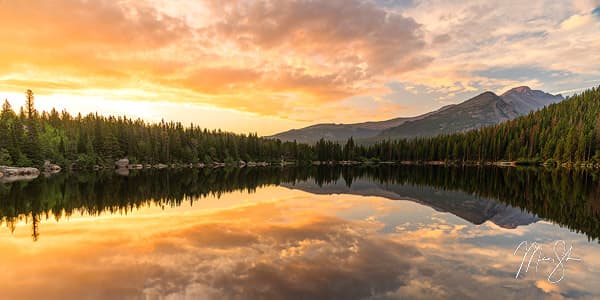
568, 197
568, 131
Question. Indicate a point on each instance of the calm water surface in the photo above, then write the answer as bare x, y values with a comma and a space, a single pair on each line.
301, 233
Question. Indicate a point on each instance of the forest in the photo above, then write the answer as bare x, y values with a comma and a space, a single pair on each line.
568, 131
29, 137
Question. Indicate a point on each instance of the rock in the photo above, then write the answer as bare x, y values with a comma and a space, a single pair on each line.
148, 166
18, 171
122, 163
135, 166
242, 163
11, 174
50, 167
160, 166
200, 165
1, 174
9, 179
122, 171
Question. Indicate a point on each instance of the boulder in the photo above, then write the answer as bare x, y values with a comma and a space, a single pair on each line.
122, 163
122, 171
9, 179
17, 171
51, 168
12, 174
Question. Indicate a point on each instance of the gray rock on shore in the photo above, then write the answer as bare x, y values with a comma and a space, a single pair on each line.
18, 171
122, 163
11, 174
51, 168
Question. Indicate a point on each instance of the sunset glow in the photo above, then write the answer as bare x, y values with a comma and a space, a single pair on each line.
266, 66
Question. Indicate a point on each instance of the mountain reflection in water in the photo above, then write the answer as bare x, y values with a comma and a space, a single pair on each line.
297, 233
508, 197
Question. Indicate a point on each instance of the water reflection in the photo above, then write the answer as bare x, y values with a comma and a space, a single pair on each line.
508, 197
301, 246
297, 233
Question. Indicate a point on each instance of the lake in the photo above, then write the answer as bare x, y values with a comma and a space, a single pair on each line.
388, 232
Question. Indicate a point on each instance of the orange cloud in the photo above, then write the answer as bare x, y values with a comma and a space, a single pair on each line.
259, 56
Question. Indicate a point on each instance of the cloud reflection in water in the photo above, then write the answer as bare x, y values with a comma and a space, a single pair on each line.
297, 246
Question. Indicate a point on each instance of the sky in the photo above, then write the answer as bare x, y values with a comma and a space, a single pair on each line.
266, 66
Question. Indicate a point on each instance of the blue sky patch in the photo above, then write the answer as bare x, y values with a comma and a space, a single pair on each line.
395, 3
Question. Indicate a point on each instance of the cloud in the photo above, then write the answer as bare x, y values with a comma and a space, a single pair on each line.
256, 56
293, 246
483, 36
294, 59
343, 32
91, 31
221, 80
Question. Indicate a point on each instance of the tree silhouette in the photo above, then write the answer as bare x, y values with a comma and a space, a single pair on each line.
29, 104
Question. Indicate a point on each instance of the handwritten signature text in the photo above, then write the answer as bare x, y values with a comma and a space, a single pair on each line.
533, 255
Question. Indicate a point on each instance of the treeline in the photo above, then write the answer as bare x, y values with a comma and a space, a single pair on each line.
29, 137
568, 131
564, 132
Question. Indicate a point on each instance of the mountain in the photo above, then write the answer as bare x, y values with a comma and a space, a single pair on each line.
525, 100
482, 110
567, 133
476, 210
342, 132
332, 132
479, 111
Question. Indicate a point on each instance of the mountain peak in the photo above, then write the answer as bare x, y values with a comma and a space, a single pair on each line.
520, 90
484, 109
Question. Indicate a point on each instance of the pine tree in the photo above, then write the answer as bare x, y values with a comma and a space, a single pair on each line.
29, 104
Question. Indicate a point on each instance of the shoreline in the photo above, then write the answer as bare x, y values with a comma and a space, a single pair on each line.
9, 174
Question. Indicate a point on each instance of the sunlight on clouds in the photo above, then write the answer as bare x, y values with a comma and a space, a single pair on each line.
289, 63
273, 243
577, 21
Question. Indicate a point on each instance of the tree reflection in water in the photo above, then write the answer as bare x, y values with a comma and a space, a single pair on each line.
569, 198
